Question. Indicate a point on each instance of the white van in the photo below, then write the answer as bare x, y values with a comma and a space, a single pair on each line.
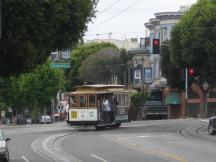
45, 119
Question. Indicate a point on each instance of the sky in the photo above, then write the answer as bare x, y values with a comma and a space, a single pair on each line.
125, 18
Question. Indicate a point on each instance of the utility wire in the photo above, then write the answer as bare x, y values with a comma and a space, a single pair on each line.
116, 15
108, 7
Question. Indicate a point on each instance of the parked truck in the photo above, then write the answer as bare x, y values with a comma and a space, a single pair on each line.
154, 110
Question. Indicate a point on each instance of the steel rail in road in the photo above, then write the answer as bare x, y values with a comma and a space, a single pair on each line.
197, 132
50, 148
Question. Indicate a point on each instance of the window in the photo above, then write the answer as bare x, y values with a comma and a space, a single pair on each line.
127, 100
1, 136
82, 101
119, 99
73, 101
123, 99
92, 101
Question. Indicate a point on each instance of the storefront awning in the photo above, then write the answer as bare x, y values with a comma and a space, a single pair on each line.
173, 99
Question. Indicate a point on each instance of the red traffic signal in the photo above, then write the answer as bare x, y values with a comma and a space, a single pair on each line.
156, 46
156, 42
191, 72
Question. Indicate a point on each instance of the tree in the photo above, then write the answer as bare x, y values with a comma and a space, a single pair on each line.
79, 55
101, 67
168, 69
31, 29
34, 90
193, 42
136, 102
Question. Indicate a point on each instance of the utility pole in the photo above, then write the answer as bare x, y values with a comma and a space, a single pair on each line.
0, 18
186, 84
142, 80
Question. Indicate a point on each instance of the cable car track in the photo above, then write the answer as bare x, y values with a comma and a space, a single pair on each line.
197, 132
50, 148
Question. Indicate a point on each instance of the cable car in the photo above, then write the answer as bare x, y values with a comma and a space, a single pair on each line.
99, 106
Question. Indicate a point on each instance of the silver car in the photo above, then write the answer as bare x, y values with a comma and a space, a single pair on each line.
4, 153
45, 119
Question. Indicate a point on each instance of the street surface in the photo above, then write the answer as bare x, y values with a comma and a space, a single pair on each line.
182, 140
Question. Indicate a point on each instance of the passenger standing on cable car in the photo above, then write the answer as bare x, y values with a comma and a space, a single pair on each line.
100, 106
113, 103
106, 110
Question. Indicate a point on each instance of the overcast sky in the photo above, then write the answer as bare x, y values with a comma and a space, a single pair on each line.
125, 18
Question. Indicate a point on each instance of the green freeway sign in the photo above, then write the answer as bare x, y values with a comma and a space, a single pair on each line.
61, 65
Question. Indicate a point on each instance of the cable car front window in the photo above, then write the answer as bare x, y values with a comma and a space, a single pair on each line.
82, 101
92, 102
73, 101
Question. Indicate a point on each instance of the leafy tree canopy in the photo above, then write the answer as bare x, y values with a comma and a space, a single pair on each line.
31, 29
193, 41
101, 66
33, 90
169, 70
80, 54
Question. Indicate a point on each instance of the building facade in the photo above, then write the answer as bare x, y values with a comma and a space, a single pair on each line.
160, 28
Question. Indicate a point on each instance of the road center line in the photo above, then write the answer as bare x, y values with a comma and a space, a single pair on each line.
23, 157
99, 158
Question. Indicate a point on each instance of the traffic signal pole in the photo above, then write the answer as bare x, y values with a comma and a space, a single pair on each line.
0, 19
186, 83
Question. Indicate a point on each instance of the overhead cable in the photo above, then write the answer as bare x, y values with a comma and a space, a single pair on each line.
108, 7
93, 28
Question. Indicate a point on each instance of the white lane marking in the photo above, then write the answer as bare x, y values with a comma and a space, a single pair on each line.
99, 158
133, 137
204, 120
134, 125
23, 157
145, 136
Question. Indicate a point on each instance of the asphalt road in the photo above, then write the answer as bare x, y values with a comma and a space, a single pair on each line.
183, 140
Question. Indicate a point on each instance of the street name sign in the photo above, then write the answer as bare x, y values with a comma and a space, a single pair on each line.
61, 65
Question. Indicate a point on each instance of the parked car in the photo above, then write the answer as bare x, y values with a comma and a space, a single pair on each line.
4, 153
45, 119
212, 126
28, 121
154, 110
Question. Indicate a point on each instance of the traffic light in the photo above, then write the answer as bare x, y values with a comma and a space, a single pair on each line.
191, 75
156, 46
191, 72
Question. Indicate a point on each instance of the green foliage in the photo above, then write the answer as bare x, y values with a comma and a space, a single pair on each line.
193, 41
31, 29
136, 99
82, 53
101, 67
34, 90
169, 70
